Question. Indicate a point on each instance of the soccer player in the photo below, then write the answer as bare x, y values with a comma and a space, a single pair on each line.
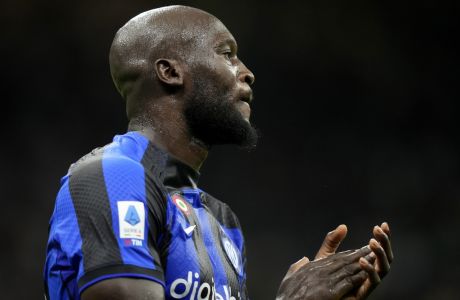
129, 220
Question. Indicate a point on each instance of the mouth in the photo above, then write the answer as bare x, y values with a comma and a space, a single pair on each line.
245, 109
244, 104
247, 97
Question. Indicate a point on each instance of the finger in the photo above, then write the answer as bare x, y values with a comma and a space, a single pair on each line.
332, 241
374, 277
336, 262
382, 264
370, 258
384, 241
386, 229
347, 271
350, 256
371, 283
349, 283
368, 285
297, 265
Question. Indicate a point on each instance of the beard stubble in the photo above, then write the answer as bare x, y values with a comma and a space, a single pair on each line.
213, 118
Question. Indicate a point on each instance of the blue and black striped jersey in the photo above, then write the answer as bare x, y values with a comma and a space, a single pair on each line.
130, 209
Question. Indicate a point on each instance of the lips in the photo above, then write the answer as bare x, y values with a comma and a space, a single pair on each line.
244, 104
245, 109
247, 97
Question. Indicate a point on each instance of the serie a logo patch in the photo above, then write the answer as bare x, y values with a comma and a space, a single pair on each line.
131, 219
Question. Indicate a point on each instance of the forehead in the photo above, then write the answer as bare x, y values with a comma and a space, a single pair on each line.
201, 32
219, 34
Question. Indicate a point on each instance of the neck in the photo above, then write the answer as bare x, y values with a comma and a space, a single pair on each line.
174, 137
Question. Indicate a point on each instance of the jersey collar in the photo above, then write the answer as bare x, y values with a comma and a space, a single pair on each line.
171, 170
178, 174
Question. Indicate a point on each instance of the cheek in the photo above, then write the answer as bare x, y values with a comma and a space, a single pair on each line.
217, 72
223, 68
227, 75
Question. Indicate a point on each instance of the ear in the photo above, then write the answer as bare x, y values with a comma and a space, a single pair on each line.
169, 71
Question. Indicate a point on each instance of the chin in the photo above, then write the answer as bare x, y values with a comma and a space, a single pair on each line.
215, 119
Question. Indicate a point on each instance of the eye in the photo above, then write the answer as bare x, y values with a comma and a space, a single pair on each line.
228, 55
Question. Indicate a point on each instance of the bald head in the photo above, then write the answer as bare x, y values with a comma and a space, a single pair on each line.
172, 32
178, 70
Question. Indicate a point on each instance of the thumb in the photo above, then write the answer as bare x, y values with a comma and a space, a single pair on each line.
332, 241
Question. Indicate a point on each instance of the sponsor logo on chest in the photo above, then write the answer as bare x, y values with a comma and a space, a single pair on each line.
190, 288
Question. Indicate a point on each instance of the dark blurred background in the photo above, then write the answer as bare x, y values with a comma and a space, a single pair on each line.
357, 102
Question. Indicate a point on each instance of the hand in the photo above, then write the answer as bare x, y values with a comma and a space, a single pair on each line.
378, 263
329, 246
328, 278
332, 242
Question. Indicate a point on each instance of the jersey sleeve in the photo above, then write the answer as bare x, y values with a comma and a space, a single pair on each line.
117, 213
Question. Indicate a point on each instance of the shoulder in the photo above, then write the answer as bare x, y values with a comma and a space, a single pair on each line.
123, 154
119, 171
108, 174
99, 171
122, 159
103, 160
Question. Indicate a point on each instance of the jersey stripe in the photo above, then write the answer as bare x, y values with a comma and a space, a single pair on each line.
228, 267
128, 190
211, 251
206, 269
92, 182
60, 281
88, 192
157, 209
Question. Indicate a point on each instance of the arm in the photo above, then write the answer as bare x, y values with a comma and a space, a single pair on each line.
117, 227
123, 289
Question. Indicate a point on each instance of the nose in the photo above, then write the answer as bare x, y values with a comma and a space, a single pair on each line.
245, 75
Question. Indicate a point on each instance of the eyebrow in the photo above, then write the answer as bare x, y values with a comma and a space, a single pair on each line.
230, 42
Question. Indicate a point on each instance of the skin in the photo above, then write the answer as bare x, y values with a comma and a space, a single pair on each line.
372, 266
154, 61
156, 98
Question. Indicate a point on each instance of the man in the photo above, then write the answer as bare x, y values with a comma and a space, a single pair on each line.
130, 221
